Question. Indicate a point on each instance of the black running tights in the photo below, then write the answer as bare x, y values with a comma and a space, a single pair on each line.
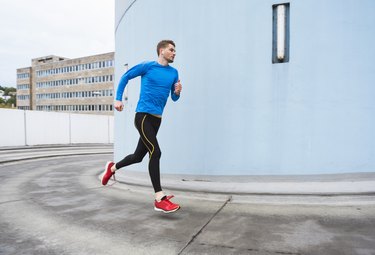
148, 126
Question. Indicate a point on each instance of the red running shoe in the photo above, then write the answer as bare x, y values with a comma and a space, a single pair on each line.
108, 173
166, 206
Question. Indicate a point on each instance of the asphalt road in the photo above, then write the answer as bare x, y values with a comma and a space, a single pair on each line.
57, 205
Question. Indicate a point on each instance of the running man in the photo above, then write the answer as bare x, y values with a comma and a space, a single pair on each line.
158, 80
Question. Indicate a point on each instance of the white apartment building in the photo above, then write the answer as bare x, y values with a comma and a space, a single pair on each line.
53, 83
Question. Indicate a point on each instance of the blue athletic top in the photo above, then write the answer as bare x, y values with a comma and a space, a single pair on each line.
157, 81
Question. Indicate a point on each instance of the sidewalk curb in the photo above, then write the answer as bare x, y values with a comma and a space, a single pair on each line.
245, 186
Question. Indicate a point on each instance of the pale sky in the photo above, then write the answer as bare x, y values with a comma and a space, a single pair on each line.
67, 28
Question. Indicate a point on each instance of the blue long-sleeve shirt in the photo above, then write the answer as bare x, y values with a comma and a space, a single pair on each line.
157, 82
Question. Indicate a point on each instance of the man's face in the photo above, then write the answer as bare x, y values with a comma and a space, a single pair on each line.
169, 53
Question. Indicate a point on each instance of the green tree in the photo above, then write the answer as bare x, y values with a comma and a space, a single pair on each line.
12, 101
8, 91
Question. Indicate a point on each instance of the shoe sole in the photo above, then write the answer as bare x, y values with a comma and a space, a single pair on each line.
105, 170
161, 210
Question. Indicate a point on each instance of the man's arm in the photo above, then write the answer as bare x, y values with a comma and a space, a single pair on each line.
133, 72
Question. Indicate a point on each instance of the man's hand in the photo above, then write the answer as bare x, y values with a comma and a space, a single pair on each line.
177, 88
119, 106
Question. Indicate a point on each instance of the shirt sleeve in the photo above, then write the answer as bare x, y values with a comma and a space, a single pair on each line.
133, 72
173, 95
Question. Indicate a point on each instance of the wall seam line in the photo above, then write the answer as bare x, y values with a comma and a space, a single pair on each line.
123, 15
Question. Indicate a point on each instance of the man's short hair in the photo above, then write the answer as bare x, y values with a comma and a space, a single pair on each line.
164, 44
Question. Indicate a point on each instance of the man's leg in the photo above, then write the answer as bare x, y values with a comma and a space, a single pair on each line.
148, 127
136, 157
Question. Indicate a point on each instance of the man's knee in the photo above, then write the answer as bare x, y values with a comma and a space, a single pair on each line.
137, 158
157, 153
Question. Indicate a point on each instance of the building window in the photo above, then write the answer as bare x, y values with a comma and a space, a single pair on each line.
23, 75
280, 33
23, 86
23, 97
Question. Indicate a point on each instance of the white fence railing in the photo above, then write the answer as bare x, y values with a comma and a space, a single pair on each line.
19, 127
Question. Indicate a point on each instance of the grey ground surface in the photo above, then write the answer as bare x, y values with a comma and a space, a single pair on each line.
58, 206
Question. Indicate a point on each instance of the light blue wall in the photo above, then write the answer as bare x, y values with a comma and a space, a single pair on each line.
239, 113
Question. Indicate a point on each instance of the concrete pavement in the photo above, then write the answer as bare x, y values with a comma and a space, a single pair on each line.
12, 154
57, 205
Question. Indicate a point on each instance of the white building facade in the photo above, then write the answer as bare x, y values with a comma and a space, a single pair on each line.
80, 85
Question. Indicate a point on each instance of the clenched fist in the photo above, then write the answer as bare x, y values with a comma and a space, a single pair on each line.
177, 88
119, 106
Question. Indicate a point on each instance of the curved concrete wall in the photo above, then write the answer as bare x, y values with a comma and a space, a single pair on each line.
239, 113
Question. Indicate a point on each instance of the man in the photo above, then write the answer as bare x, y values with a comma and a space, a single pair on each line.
158, 80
